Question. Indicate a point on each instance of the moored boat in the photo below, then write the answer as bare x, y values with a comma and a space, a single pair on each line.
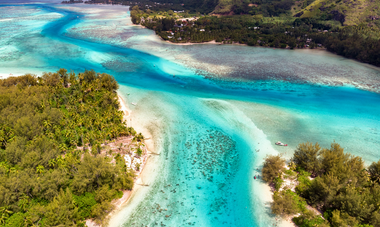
278, 143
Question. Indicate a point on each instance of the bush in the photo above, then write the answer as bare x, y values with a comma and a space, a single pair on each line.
287, 203
139, 151
374, 171
16, 219
85, 203
304, 182
306, 157
310, 221
278, 182
273, 167
340, 219
289, 172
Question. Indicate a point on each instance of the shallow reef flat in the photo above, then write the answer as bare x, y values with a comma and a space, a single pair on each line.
102, 24
21, 42
203, 175
220, 61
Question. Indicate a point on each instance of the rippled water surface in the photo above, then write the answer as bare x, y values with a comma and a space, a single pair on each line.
212, 112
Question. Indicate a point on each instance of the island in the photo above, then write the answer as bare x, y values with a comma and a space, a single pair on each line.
66, 154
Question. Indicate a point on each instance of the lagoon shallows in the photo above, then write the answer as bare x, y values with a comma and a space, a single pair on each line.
213, 112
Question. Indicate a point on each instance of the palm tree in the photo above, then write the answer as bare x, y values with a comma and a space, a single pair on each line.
52, 163
61, 162
3, 141
63, 147
42, 106
4, 214
40, 169
23, 202
80, 122
73, 142
4, 165
68, 133
4, 135
139, 137
96, 149
50, 135
29, 222
46, 124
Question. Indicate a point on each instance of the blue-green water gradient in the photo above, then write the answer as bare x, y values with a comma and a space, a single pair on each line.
211, 133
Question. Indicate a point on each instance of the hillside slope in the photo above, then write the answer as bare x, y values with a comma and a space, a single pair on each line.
348, 12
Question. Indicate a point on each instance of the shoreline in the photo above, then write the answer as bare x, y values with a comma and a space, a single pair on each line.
123, 107
213, 42
372, 87
127, 194
126, 200
266, 192
5, 75
267, 196
261, 190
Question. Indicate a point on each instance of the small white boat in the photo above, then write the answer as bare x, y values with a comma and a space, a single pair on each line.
278, 143
134, 103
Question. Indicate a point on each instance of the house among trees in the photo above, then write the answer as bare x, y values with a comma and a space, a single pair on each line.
72, 2
102, 2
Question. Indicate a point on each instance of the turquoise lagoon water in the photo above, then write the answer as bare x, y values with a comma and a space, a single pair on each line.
212, 112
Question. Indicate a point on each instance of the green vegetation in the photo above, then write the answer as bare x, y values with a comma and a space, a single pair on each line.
308, 219
273, 168
266, 8
190, 6
287, 203
349, 13
344, 191
48, 125
347, 28
306, 157
303, 181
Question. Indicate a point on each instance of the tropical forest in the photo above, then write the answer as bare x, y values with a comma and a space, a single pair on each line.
324, 187
54, 169
347, 28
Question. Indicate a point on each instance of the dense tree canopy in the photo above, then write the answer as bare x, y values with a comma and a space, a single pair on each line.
306, 156
273, 167
357, 42
347, 193
47, 124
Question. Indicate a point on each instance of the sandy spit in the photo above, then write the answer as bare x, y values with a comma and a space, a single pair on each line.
127, 194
